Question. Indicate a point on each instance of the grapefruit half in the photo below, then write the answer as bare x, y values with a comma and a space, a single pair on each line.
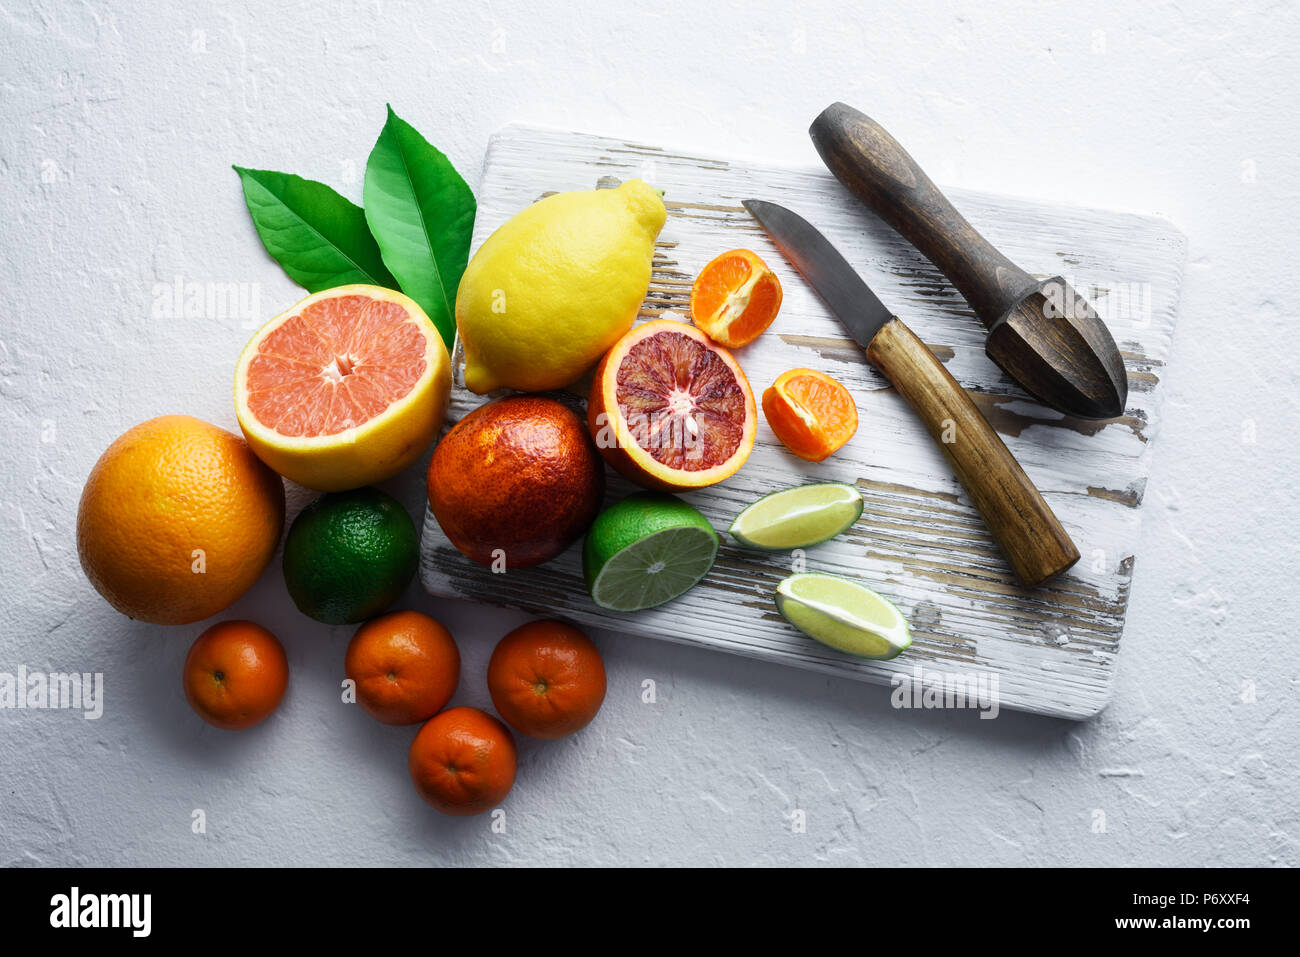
670, 409
344, 389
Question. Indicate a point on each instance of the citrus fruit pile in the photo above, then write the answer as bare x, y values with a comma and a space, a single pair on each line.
179, 518
669, 406
350, 386
546, 680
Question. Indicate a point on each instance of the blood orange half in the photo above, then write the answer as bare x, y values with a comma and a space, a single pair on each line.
671, 410
345, 389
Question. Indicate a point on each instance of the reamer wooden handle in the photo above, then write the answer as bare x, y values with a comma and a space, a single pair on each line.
875, 168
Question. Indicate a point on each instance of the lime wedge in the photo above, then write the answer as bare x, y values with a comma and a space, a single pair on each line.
646, 550
798, 517
843, 614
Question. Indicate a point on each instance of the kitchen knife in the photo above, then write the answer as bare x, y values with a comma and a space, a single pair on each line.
1025, 528
1043, 334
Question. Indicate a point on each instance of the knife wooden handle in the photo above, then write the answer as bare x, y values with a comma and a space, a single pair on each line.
876, 169
1023, 524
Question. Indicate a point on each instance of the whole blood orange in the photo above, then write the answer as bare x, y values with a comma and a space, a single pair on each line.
344, 389
547, 679
405, 666
517, 480
235, 675
178, 518
812, 414
735, 298
463, 761
671, 410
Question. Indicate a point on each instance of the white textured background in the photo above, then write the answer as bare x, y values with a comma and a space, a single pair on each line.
117, 131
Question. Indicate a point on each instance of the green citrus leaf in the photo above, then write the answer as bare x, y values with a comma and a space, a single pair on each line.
317, 236
421, 213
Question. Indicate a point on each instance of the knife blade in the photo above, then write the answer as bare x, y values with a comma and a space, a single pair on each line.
1022, 523
827, 271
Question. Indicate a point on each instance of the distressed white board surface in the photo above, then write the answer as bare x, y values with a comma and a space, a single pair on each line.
920, 541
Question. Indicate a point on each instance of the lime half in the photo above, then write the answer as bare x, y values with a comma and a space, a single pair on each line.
798, 517
843, 614
646, 550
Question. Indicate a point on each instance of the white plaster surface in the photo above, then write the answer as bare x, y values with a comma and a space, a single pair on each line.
118, 125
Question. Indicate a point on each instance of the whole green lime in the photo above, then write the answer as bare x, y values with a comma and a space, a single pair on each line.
350, 555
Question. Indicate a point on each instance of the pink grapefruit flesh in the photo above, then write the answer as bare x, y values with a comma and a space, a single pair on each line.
345, 389
334, 366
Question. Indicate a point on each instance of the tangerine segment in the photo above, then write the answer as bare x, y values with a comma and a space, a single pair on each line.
735, 298
671, 410
812, 414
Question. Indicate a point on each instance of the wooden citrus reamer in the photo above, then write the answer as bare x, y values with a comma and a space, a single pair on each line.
1043, 334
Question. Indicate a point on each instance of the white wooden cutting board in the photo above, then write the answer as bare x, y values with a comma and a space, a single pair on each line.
920, 541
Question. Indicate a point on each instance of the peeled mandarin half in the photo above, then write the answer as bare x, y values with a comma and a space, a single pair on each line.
812, 414
735, 298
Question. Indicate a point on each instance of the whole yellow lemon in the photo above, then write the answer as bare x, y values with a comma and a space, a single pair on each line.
553, 288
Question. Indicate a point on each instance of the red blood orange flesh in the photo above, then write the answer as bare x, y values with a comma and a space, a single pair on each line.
670, 409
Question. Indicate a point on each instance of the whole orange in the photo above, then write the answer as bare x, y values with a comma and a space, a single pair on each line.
463, 761
405, 666
516, 479
177, 520
235, 675
547, 679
